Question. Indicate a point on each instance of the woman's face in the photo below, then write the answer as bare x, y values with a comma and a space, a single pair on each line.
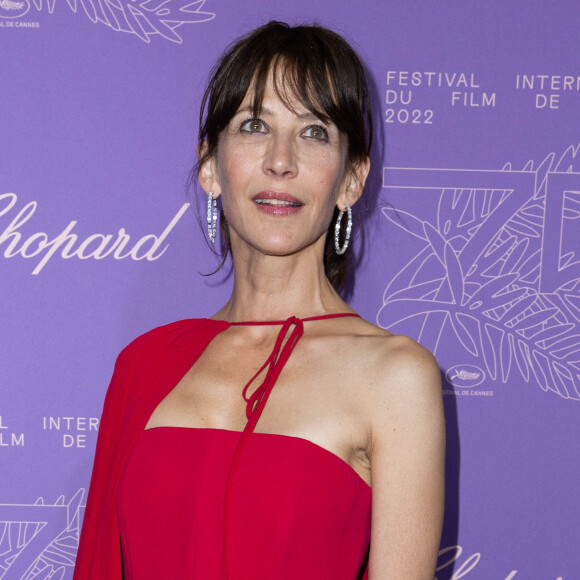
280, 175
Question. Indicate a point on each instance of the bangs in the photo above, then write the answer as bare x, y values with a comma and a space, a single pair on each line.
296, 80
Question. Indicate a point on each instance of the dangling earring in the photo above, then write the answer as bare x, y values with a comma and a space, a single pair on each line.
337, 247
212, 216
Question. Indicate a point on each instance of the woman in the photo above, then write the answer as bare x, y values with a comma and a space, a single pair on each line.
196, 476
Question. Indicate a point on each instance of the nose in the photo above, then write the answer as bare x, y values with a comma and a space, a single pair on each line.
280, 158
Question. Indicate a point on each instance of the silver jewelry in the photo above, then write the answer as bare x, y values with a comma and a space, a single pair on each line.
337, 247
212, 216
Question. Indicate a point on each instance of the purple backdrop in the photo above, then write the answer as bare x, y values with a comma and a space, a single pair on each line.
471, 246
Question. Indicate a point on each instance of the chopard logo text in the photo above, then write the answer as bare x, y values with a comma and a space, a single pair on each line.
451, 557
67, 244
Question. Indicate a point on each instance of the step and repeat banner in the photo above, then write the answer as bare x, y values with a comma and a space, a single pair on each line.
471, 244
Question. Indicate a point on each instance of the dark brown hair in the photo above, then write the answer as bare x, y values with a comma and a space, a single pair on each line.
312, 64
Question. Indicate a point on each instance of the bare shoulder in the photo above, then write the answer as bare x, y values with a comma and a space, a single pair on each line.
390, 356
396, 371
408, 366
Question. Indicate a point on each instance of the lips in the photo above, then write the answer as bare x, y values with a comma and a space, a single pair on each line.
277, 203
279, 197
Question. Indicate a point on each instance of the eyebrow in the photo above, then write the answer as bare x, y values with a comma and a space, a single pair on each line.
307, 115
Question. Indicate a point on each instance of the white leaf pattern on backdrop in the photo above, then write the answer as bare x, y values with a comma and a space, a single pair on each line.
145, 18
40, 541
508, 275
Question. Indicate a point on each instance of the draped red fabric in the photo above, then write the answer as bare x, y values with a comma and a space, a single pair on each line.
145, 373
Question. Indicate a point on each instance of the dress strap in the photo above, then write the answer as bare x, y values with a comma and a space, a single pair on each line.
309, 319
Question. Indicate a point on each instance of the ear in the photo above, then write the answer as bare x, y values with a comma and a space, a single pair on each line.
354, 184
208, 174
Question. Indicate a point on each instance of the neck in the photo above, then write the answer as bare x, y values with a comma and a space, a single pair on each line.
276, 287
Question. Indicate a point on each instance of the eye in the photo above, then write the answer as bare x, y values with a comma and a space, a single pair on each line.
316, 132
253, 126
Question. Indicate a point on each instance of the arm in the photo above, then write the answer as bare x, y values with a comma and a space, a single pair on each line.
407, 463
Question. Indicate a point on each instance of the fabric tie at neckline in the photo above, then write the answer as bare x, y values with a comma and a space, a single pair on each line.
279, 356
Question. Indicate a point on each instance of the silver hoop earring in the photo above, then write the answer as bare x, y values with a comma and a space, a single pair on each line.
337, 247
212, 216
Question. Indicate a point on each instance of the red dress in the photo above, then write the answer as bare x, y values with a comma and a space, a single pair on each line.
214, 504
